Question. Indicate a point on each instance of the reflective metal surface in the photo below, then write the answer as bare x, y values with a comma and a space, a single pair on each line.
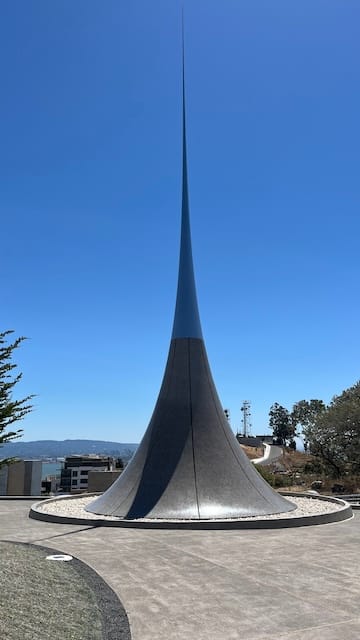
189, 464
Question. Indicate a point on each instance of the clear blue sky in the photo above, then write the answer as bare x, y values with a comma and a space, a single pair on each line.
90, 117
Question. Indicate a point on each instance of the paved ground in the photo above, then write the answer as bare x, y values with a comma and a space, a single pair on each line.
290, 584
275, 453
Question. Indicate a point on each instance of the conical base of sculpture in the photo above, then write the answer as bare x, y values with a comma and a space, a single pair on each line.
189, 464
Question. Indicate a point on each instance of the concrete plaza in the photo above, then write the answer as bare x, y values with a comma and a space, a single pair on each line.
293, 584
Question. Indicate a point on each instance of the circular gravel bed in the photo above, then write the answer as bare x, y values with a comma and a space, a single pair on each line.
309, 510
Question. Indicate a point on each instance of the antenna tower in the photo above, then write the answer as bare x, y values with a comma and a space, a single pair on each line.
246, 418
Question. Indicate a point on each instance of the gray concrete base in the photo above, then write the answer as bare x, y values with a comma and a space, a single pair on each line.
344, 513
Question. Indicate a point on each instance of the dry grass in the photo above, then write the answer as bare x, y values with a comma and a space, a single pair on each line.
253, 452
292, 465
42, 599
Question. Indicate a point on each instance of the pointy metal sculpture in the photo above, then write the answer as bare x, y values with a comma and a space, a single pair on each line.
189, 465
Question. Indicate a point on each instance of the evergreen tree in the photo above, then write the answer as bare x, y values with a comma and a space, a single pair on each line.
10, 410
281, 424
304, 415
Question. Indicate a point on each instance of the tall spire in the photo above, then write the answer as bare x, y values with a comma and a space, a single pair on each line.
189, 465
187, 318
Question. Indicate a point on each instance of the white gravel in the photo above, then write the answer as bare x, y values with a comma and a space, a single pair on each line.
75, 508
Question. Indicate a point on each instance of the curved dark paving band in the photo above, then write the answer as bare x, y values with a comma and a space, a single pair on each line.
353, 499
279, 523
115, 623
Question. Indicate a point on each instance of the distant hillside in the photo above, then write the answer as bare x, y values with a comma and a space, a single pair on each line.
62, 448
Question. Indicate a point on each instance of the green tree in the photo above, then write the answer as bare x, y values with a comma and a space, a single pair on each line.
334, 435
281, 424
10, 410
304, 415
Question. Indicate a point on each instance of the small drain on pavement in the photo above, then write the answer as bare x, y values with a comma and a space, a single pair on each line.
60, 557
